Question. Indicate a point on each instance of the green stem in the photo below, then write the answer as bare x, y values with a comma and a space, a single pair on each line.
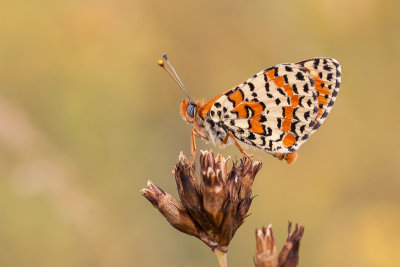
222, 258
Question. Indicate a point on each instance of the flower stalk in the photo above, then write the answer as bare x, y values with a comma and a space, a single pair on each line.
222, 258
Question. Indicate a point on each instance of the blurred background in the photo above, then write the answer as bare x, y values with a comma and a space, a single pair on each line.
87, 117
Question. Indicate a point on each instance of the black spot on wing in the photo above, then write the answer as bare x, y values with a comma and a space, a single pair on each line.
267, 87
288, 69
262, 118
249, 111
317, 126
305, 137
251, 136
299, 76
279, 123
251, 86
268, 132
295, 113
265, 76
263, 141
276, 71
301, 101
302, 128
295, 89
293, 126
240, 130
316, 63
281, 91
285, 78
335, 63
306, 88
306, 115
281, 137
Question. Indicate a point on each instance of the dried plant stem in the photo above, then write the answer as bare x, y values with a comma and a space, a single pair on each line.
222, 257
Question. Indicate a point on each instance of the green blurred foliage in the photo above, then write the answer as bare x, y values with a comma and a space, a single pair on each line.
87, 116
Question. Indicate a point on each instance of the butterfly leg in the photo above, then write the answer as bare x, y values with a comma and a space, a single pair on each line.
290, 157
230, 134
193, 147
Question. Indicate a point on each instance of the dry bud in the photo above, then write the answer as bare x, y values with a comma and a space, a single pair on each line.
213, 207
173, 210
266, 253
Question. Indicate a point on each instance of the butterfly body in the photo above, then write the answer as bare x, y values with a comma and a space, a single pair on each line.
276, 110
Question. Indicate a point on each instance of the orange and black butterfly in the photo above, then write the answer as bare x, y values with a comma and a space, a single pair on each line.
276, 110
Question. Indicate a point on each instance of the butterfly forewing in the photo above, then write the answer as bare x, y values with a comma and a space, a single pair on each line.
280, 107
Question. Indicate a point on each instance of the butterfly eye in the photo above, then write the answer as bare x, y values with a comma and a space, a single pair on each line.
191, 109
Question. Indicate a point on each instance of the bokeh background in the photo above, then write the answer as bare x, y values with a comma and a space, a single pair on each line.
87, 117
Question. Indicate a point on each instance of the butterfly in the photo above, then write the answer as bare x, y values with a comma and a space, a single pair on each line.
276, 110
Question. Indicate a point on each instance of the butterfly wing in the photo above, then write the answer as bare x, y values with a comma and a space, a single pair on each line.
326, 73
280, 107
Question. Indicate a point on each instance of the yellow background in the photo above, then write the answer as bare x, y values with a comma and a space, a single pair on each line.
87, 117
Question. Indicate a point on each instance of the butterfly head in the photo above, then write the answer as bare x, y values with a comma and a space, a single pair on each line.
188, 111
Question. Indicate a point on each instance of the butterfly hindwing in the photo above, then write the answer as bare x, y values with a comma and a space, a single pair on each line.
280, 107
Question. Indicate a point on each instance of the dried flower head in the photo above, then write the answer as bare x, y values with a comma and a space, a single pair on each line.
213, 208
266, 253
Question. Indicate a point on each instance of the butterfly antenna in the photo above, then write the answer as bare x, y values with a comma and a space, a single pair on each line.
176, 74
160, 62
